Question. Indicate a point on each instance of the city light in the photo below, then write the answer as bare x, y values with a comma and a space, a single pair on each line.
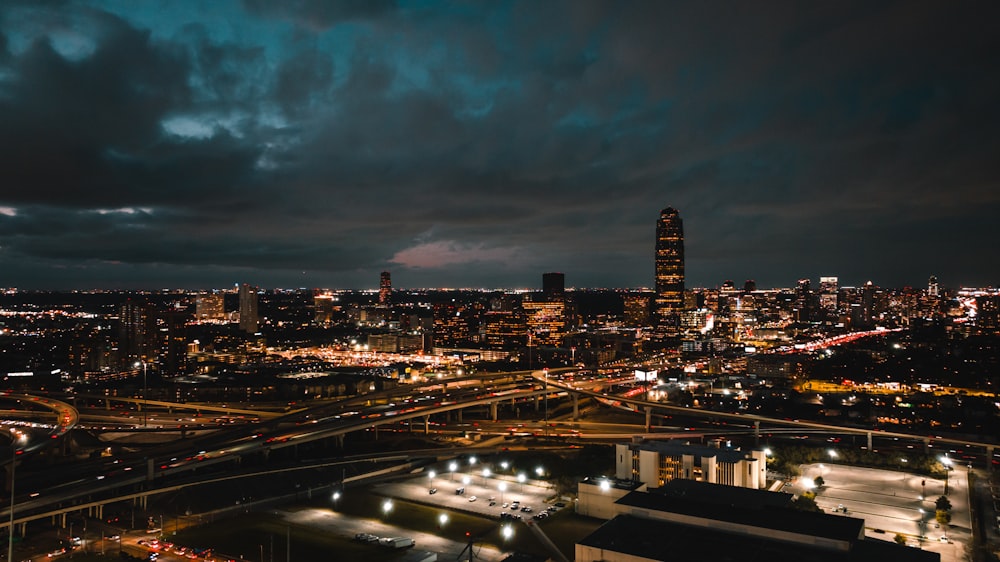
387, 507
507, 531
442, 519
605, 485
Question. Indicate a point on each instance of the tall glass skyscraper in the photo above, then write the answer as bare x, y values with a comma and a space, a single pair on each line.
669, 269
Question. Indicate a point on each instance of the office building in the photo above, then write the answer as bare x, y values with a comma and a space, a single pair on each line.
828, 289
385, 289
655, 463
638, 309
669, 270
135, 325
933, 289
210, 307
553, 285
803, 301
700, 521
249, 321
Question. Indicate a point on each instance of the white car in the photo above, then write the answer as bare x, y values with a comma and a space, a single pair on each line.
472, 498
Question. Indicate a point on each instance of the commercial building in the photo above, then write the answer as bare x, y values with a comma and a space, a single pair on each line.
655, 463
248, 309
669, 269
385, 289
697, 520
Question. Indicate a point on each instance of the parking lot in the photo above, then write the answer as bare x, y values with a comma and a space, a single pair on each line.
480, 495
893, 502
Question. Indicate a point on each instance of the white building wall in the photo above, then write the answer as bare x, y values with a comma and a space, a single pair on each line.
623, 461
649, 468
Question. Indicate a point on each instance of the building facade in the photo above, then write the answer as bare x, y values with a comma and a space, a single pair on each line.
657, 462
669, 269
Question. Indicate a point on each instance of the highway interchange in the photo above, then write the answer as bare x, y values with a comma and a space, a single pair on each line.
53, 492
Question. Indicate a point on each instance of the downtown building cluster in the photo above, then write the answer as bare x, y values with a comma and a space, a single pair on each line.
177, 333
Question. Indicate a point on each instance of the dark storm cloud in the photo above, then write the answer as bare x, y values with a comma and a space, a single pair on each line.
320, 14
463, 144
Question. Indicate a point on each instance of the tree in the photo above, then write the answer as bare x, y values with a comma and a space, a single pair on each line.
943, 517
899, 538
942, 504
806, 502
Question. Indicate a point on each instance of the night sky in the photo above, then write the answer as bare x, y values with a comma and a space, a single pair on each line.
302, 143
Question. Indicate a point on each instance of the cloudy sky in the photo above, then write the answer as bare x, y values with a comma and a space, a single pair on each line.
303, 143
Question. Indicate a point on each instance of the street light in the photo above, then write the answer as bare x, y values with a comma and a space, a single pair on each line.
145, 404
453, 466
832, 453
521, 478
442, 519
504, 465
507, 531
387, 507
539, 471
486, 474
466, 480
431, 474
947, 475
472, 461
13, 464
503, 488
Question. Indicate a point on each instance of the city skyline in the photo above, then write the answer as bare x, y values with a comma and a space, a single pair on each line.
316, 144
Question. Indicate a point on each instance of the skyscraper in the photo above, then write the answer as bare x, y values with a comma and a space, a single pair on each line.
553, 285
385, 289
248, 308
669, 269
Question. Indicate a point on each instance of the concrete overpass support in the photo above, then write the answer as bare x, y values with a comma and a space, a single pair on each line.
538, 403
493, 411
756, 433
869, 441
340, 441
989, 458
107, 405
459, 415
576, 407
649, 418
427, 425
927, 445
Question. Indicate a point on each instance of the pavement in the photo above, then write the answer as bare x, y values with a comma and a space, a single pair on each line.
894, 503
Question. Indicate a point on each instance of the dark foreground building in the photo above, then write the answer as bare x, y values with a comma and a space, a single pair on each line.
689, 520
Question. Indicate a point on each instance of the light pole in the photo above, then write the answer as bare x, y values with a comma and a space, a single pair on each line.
546, 388
453, 466
486, 475
145, 405
521, 478
13, 463
947, 474
503, 488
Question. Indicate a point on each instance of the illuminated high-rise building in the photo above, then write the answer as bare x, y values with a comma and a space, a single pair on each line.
248, 309
669, 269
136, 323
828, 289
547, 315
803, 301
932, 286
385, 289
210, 307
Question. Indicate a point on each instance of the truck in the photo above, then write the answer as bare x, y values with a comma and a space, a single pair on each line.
397, 542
